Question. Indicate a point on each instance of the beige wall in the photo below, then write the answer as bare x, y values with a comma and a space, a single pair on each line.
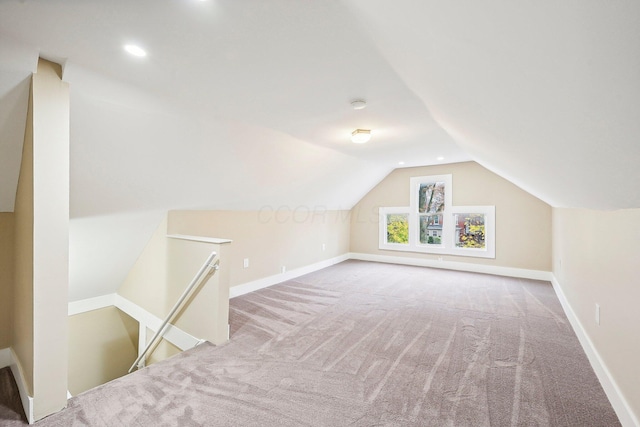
51, 238
270, 238
6, 278
22, 333
595, 260
162, 351
205, 314
145, 283
102, 346
523, 222
162, 273
39, 336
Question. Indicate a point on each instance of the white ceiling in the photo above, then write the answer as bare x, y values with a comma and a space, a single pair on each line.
544, 93
242, 104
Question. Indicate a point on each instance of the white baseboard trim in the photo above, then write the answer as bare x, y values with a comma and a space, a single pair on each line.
265, 282
184, 341
5, 357
173, 334
459, 266
611, 389
89, 304
27, 401
9, 358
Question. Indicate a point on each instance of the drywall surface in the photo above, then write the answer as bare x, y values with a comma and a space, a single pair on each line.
162, 351
595, 261
146, 282
163, 272
6, 278
271, 238
39, 336
523, 222
205, 313
102, 346
22, 332
51, 238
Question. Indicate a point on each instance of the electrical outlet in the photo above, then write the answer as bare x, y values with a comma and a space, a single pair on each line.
246, 263
597, 314
284, 269
440, 258
324, 247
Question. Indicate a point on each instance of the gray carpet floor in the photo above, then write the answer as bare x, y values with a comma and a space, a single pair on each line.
367, 344
11, 412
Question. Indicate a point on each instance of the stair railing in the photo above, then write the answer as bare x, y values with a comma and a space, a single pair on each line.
210, 265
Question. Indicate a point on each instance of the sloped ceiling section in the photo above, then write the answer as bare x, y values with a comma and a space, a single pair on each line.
245, 104
17, 63
143, 155
238, 105
147, 154
545, 93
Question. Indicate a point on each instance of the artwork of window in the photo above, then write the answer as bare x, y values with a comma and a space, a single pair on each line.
431, 224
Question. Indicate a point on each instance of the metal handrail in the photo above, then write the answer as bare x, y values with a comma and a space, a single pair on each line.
208, 264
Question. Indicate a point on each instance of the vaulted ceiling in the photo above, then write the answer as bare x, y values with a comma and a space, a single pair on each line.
242, 104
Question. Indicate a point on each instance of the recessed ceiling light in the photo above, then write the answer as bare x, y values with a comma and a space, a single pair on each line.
135, 50
360, 136
401, 163
440, 158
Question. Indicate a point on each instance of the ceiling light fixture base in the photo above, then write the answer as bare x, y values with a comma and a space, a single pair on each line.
358, 104
360, 136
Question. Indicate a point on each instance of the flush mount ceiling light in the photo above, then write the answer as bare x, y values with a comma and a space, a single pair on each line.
358, 104
135, 50
360, 136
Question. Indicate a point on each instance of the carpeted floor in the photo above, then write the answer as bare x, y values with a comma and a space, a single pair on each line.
11, 411
367, 344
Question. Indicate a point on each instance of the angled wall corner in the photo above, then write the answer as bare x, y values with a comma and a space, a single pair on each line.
161, 274
22, 322
41, 251
51, 238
